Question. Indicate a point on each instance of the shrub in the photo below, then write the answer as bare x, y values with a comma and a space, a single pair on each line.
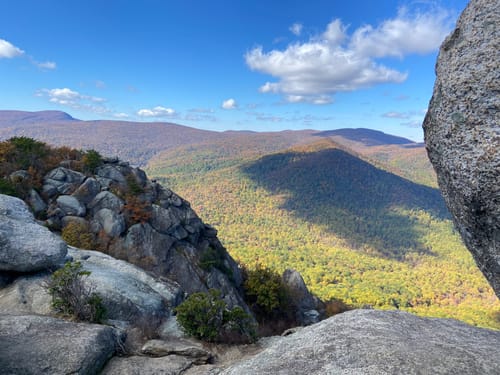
266, 293
8, 188
133, 187
72, 296
91, 160
78, 234
206, 317
136, 211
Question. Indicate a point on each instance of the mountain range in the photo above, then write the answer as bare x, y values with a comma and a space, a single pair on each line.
356, 211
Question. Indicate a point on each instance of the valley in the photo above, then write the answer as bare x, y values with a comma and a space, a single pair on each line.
355, 211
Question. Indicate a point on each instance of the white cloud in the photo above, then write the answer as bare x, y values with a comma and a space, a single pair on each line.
74, 99
8, 50
395, 114
48, 65
296, 29
157, 111
335, 61
229, 104
121, 115
417, 33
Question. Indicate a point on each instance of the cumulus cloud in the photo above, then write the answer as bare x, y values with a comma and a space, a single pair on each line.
121, 115
8, 50
296, 29
335, 61
229, 104
157, 111
70, 98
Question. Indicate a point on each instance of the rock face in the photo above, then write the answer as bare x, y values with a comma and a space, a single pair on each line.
21, 238
379, 342
44, 345
462, 131
137, 220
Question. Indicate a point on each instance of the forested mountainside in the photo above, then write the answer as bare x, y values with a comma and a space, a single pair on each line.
366, 225
356, 211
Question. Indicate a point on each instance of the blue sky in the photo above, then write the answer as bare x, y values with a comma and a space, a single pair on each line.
221, 65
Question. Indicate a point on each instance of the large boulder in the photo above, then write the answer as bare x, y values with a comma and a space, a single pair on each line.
70, 206
379, 342
128, 293
43, 345
462, 131
139, 365
26, 246
26, 295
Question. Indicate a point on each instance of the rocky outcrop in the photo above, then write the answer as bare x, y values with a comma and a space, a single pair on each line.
306, 304
462, 131
21, 240
378, 342
139, 221
43, 345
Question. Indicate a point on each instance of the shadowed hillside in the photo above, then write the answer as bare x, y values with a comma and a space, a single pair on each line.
349, 197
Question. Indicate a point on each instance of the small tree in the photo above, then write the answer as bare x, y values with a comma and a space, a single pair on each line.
72, 296
206, 317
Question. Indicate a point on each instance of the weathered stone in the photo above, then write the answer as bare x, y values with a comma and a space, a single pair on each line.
110, 175
87, 191
70, 205
170, 327
36, 202
105, 199
379, 342
26, 246
142, 241
111, 222
162, 220
301, 298
64, 180
128, 292
44, 345
26, 295
184, 347
462, 131
137, 365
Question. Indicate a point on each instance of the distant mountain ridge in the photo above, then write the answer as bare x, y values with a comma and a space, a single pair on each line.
140, 141
368, 137
10, 118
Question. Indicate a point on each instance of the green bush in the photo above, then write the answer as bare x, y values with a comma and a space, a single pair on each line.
206, 317
8, 188
71, 296
265, 292
133, 187
91, 160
